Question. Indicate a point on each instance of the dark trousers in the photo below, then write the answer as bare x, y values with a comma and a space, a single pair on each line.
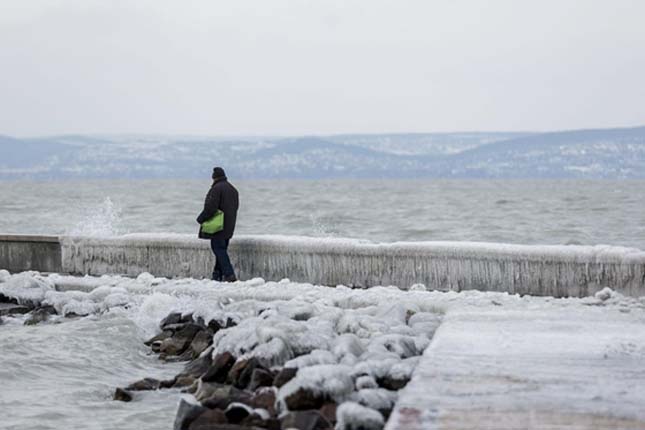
223, 267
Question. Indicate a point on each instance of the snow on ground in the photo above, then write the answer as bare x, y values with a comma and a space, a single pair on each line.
588, 352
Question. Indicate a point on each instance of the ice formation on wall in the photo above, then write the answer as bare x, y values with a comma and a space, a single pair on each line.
558, 271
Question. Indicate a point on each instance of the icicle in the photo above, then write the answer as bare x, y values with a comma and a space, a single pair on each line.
538, 270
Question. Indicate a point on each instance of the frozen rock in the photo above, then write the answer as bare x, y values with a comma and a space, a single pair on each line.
121, 395
199, 366
328, 410
173, 318
403, 346
302, 398
264, 398
236, 412
316, 385
347, 343
116, 299
186, 414
284, 375
379, 399
365, 381
305, 420
79, 308
4, 275
315, 357
376, 367
214, 326
403, 369
26, 287
145, 278
424, 317
202, 340
168, 383
180, 340
214, 395
158, 337
11, 309
274, 352
185, 381
208, 420
604, 294
352, 416
391, 383
218, 371
418, 287
6, 299
260, 378
145, 384
240, 374
256, 422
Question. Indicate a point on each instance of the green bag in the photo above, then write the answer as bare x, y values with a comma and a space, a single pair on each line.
214, 224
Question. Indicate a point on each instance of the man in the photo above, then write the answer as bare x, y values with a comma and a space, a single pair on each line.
222, 196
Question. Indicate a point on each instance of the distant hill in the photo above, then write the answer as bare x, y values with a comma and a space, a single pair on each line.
603, 153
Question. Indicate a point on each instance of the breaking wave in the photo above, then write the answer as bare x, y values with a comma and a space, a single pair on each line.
101, 220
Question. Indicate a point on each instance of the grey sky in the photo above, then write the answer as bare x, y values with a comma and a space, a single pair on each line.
332, 66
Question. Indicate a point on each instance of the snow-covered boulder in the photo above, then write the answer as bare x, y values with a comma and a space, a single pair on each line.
353, 416
315, 385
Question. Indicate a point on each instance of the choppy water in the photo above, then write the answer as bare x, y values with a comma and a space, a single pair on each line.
63, 376
513, 211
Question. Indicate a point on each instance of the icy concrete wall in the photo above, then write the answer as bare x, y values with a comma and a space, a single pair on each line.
19, 253
538, 270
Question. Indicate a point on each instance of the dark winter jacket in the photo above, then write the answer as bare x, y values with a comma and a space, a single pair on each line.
222, 196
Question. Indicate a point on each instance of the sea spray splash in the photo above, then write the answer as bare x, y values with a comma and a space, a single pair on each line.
319, 227
101, 220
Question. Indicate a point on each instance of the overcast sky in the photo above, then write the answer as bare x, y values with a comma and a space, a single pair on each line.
319, 67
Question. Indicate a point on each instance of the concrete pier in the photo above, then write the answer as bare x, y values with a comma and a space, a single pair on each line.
559, 271
26, 252
549, 368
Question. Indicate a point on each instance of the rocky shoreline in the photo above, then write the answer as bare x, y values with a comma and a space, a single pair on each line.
252, 362
10, 306
234, 393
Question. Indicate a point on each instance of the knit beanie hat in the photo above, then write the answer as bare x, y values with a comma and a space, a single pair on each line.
218, 172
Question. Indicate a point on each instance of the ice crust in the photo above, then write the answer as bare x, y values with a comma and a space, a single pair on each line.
353, 416
4, 275
375, 398
331, 380
352, 314
26, 286
559, 271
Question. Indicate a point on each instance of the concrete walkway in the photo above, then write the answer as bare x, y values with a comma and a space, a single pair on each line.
560, 368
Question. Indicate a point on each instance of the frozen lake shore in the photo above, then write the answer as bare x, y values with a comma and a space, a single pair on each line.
496, 358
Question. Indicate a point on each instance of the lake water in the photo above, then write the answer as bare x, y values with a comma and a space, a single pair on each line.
512, 211
63, 376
